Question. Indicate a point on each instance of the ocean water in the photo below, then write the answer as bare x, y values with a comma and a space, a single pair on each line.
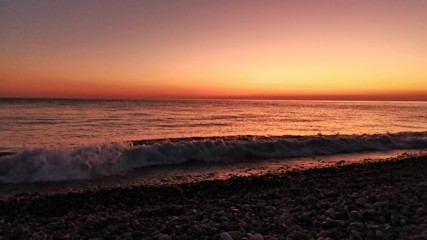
74, 139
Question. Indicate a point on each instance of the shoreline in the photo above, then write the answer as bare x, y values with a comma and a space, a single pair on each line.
197, 172
368, 200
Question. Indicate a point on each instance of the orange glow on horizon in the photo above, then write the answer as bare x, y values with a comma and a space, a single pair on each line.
242, 49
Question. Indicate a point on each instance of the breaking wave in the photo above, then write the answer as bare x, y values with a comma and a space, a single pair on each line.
57, 164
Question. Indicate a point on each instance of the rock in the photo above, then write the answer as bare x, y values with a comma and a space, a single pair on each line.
234, 210
261, 203
369, 206
357, 226
227, 225
356, 235
394, 219
246, 207
323, 234
316, 223
164, 237
194, 231
331, 223
298, 236
305, 217
422, 184
295, 228
256, 236
421, 211
225, 236
361, 201
354, 214
127, 234
331, 193
243, 224
205, 220
379, 234
269, 208
212, 231
236, 234
330, 212
137, 234
380, 204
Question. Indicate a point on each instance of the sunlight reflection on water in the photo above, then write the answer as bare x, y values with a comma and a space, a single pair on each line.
29, 123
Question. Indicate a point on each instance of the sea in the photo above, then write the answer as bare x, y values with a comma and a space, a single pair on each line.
69, 139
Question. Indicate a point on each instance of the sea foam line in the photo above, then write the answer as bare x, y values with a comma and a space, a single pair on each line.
61, 163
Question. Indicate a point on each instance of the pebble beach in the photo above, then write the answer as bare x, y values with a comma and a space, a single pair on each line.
372, 200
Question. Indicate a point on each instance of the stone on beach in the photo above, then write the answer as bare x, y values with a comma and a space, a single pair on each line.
256, 236
164, 237
226, 236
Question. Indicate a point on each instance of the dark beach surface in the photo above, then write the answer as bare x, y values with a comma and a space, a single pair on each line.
368, 200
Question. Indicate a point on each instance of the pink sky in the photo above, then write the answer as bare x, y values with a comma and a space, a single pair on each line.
204, 49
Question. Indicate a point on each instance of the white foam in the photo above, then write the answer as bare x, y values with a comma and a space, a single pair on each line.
56, 164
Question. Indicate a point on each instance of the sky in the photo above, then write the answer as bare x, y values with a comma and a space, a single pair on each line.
306, 49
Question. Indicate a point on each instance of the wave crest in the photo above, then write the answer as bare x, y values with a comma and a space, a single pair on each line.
56, 164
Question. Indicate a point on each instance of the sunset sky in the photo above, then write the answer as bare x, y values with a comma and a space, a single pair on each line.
353, 49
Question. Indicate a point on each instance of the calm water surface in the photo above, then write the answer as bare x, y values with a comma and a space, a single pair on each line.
32, 123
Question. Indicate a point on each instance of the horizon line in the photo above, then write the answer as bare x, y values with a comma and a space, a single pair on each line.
349, 99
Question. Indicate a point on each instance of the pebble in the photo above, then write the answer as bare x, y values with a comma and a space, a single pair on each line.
137, 234
354, 214
256, 236
379, 234
164, 237
361, 201
323, 234
380, 204
356, 234
330, 212
333, 223
298, 236
225, 236
305, 217
236, 234
295, 228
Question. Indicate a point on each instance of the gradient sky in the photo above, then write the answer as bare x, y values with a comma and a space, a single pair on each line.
353, 49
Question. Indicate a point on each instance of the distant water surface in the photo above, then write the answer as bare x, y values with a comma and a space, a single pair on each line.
51, 122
